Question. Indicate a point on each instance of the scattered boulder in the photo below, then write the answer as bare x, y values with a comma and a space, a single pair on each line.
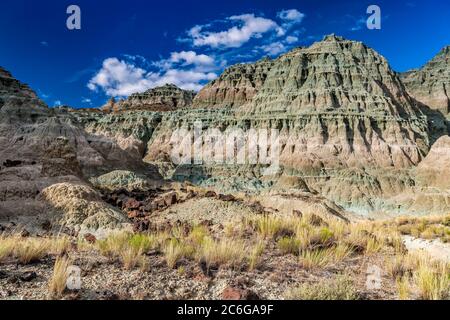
28, 276
233, 293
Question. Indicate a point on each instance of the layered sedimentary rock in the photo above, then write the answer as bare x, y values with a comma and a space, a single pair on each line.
336, 104
346, 124
431, 84
434, 170
166, 98
236, 86
349, 135
41, 147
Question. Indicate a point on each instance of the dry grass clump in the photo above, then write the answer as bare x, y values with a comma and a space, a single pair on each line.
6, 247
289, 245
271, 226
341, 288
254, 258
60, 245
222, 252
321, 258
58, 281
403, 287
419, 273
175, 250
432, 279
129, 248
434, 227
31, 250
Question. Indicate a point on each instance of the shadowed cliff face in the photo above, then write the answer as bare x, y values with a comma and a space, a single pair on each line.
431, 84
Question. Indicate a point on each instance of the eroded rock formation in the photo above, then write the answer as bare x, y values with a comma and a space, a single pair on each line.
166, 98
431, 83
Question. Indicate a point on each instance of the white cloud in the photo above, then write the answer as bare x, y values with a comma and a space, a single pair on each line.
122, 78
44, 43
249, 26
291, 39
291, 15
358, 24
57, 103
274, 48
86, 101
191, 57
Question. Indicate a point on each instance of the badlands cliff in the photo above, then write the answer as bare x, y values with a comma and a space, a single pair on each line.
355, 137
431, 84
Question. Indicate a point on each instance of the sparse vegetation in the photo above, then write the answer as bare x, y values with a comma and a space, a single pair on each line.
403, 288
222, 252
31, 250
255, 255
58, 281
289, 245
6, 247
341, 288
317, 244
432, 280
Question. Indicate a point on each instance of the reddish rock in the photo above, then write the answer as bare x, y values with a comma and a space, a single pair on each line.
226, 197
170, 198
210, 194
141, 225
134, 214
25, 233
297, 213
159, 203
232, 293
90, 238
132, 204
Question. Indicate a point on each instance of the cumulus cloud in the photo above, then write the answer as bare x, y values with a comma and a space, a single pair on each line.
119, 78
191, 57
200, 62
291, 15
248, 26
274, 48
291, 39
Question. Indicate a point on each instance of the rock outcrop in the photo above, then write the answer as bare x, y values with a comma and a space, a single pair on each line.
336, 104
42, 147
350, 136
236, 86
431, 84
166, 98
434, 170
83, 209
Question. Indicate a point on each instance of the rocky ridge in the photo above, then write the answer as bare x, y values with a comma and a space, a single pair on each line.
431, 84
166, 98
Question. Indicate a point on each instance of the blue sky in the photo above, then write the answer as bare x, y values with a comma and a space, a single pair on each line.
127, 46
